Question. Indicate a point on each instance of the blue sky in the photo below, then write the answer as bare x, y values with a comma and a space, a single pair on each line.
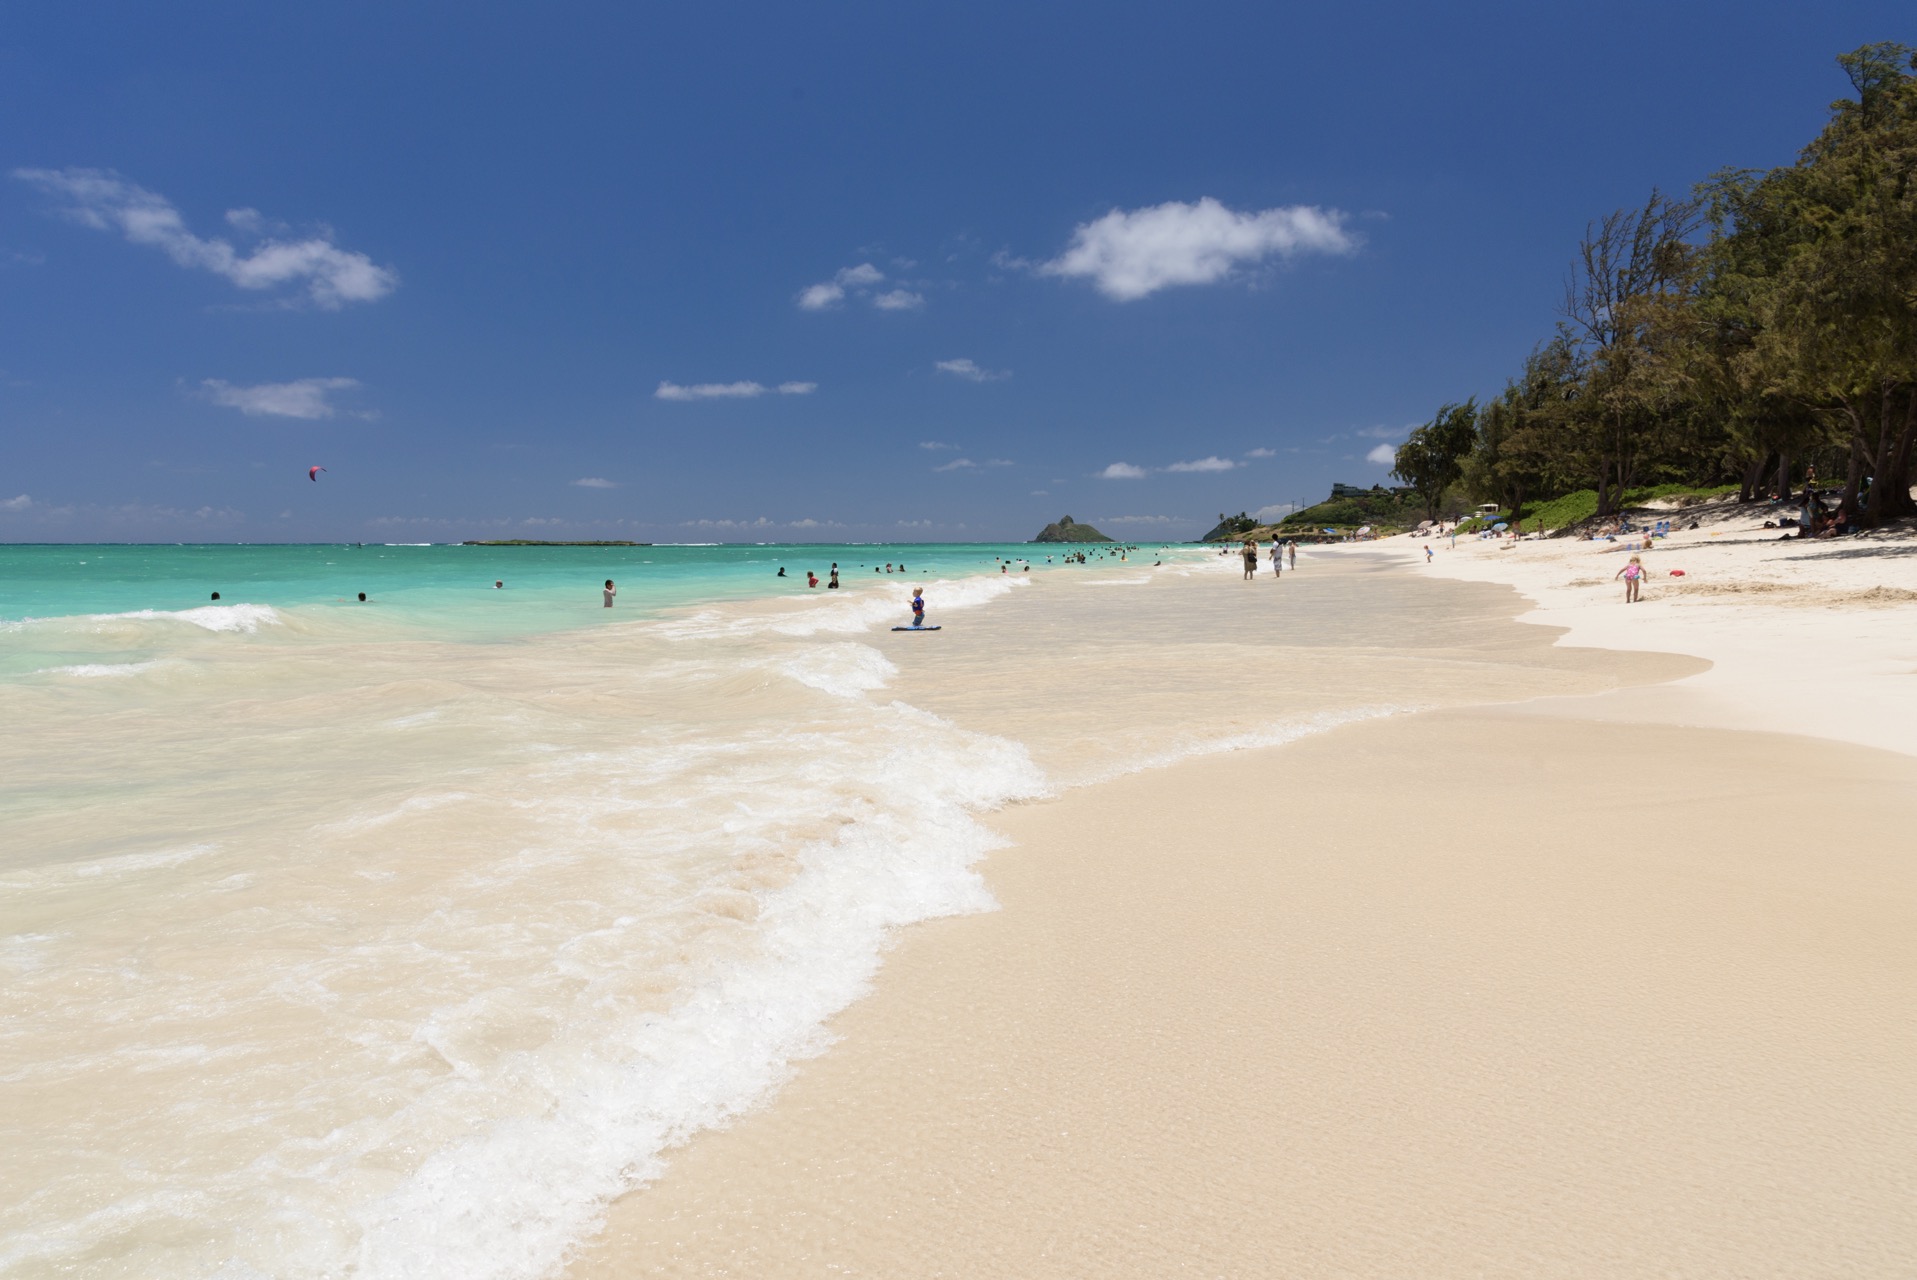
732, 272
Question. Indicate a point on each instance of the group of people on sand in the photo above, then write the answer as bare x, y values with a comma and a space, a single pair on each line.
1279, 550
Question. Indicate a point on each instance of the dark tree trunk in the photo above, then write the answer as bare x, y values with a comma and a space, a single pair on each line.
1783, 491
1853, 480
1754, 478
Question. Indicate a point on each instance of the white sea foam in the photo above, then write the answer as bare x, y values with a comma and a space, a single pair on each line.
507, 1202
1276, 734
99, 670
872, 605
211, 617
845, 669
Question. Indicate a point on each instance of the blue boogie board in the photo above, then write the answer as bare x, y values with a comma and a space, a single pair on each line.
915, 628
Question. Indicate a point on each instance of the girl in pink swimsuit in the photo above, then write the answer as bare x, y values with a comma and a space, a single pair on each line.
1633, 575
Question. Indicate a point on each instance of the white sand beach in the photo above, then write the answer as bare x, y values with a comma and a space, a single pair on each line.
1589, 954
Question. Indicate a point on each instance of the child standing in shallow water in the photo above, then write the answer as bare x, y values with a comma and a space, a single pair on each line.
1633, 575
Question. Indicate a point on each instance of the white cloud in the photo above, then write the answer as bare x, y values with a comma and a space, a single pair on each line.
101, 199
1384, 455
830, 293
957, 464
1122, 471
20, 503
1261, 453
820, 296
1213, 463
301, 398
595, 482
970, 371
1275, 512
1041, 493
1387, 433
936, 445
915, 524
730, 390
899, 300
1131, 254
1141, 520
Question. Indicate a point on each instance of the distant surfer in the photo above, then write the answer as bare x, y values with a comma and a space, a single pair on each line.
918, 606
611, 591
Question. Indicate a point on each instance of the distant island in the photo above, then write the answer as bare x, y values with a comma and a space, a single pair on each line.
1070, 530
534, 542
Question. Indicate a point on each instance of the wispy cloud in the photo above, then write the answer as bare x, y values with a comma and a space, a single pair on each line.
1122, 471
899, 300
301, 398
761, 524
731, 390
1130, 254
1261, 453
101, 199
970, 371
20, 503
1275, 512
1384, 455
1142, 520
966, 464
936, 445
595, 482
1213, 463
830, 293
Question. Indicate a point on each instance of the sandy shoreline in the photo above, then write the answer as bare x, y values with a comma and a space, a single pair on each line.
1565, 987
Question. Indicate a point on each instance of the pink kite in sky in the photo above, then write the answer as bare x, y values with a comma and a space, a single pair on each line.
312, 473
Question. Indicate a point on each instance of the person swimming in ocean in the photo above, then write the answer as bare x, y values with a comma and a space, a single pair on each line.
781, 572
833, 580
811, 578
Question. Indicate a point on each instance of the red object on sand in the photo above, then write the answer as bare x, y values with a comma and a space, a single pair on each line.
1677, 573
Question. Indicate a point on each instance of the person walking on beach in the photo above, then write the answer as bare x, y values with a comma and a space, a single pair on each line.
1292, 550
611, 591
1633, 575
1251, 559
1277, 557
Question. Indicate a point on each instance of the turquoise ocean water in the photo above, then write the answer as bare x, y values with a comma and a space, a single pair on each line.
434, 589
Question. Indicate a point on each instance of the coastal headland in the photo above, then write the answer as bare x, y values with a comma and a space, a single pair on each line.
1582, 949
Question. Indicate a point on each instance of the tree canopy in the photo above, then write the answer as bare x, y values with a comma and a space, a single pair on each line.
1765, 323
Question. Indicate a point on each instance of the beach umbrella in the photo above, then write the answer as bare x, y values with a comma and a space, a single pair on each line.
1500, 526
